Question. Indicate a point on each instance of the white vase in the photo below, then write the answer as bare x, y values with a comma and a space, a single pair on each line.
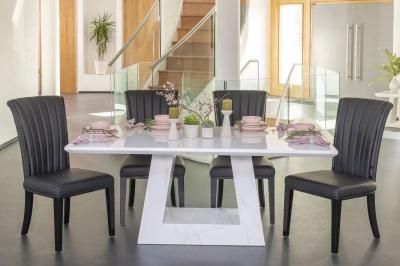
394, 84
173, 133
226, 131
100, 67
207, 132
191, 131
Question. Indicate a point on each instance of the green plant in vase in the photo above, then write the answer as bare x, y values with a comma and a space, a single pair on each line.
191, 120
191, 126
101, 31
207, 129
391, 70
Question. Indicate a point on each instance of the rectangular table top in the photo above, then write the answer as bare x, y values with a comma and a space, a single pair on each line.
267, 143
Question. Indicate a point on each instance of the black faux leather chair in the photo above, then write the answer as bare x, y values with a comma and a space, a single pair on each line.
359, 128
42, 133
243, 103
141, 106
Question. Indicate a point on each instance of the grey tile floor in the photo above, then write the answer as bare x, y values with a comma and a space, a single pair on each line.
86, 241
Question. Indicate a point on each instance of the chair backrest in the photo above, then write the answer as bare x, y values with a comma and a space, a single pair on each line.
359, 129
42, 132
144, 104
244, 102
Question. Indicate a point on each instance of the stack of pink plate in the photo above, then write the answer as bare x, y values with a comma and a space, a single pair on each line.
252, 123
161, 122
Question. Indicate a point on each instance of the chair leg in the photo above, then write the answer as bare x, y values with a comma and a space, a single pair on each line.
336, 212
122, 199
27, 212
67, 203
58, 219
261, 192
173, 196
131, 199
181, 191
372, 215
110, 210
287, 212
271, 194
213, 195
220, 194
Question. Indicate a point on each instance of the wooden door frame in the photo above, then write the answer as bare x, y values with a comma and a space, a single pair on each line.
275, 87
68, 46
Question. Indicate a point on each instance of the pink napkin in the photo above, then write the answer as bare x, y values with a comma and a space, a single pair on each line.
318, 140
93, 138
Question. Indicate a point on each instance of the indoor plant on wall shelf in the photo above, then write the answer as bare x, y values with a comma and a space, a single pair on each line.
101, 30
392, 69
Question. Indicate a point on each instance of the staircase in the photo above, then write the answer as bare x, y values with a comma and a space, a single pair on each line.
193, 61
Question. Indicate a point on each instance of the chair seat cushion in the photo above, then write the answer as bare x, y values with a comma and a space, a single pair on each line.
330, 184
138, 166
221, 167
68, 183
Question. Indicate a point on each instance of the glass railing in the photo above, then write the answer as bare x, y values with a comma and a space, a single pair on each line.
190, 61
130, 67
312, 96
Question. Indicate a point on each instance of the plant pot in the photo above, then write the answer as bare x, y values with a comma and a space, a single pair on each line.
394, 84
191, 131
100, 67
207, 132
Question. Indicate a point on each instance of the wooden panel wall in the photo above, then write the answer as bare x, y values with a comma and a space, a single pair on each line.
68, 51
146, 47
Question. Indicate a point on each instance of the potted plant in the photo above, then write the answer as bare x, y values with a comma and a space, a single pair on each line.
101, 30
207, 129
392, 69
191, 126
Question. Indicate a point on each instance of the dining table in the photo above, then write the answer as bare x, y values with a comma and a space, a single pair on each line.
241, 226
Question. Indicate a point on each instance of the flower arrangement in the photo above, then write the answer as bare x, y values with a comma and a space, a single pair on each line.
170, 94
202, 110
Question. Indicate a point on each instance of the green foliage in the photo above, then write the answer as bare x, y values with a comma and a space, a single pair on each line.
208, 124
191, 119
101, 29
391, 68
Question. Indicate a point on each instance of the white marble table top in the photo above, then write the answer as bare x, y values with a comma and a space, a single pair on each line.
266, 143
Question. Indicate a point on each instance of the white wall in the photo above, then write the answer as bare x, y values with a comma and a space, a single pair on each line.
170, 14
50, 42
86, 51
396, 27
227, 54
254, 42
19, 57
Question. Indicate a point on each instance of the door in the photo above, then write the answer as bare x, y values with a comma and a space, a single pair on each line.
68, 51
349, 39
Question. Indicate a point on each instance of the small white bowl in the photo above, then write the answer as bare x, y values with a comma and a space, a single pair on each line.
161, 118
251, 119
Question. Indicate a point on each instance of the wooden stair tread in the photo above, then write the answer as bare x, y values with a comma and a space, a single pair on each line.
191, 56
185, 71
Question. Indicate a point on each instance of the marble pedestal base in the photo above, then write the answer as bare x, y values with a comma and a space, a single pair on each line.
201, 226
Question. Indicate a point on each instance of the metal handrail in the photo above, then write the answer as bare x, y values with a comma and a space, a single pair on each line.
285, 89
185, 38
258, 69
135, 33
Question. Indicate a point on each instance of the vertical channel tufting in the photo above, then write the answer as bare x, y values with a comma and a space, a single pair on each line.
359, 128
42, 131
143, 105
243, 102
